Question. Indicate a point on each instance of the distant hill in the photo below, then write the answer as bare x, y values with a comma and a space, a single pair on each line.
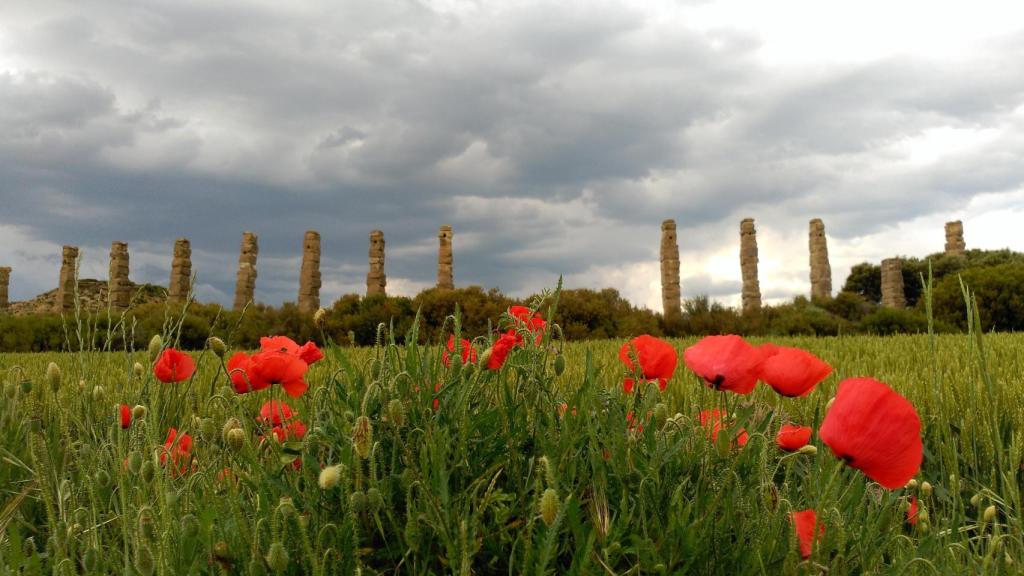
93, 296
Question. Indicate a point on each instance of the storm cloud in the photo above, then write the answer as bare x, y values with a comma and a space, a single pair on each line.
554, 138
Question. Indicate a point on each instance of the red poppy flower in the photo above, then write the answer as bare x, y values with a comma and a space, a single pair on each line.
275, 412
266, 368
239, 369
711, 420
792, 371
563, 407
126, 416
725, 363
292, 430
804, 523
875, 430
792, 437
179, 448
437, 401
912, 511
657, 359
500, 350
308, 352
467, 352
531, 320
173, 366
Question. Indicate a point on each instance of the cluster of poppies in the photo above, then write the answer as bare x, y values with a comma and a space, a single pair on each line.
523, 320
867, 425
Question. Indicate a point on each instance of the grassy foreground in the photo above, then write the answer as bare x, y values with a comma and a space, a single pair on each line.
497, 480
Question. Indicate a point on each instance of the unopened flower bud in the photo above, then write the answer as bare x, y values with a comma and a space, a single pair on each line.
926, 489
829, 403
277, 557
396, 412
156, 346
229, 425
976, 500
660, 415
329, 477
53, 376
144, 561
208, 429
103, 478
90, 560
134, 462
138, 412
286, 506
911, 484
217, 346
808, 449
236, 439
319, 317
357, 501
97, 393
362, 436
147, 524
549, 506
148, 471
559, 365
375, 499
138, 369
989, 514
189, 526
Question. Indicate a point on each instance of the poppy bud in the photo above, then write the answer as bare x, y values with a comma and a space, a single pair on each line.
229, 425
329, 477
926, 489
217, 346
396, 412
319, 317
357, 501
362, 436
156, 345
171, 497
286, 506
134, 462
375, 499
809, 449
549, 506
189, 526
559, 365
207, 429
148, 471
911, 484
53, 376
236, 439
352, 337
147, 525
138, 412
976, 500
660, 415
277, 557
989, 514
90, 560
144, 561
81, 516
97, 393
10, 390
485, 358
26, 386
103, 478
138, 369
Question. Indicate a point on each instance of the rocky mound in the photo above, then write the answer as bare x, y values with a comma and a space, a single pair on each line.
93, 297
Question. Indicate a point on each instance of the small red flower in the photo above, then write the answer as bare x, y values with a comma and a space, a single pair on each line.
912, 511
174, 366
792, 371
657, 359
466, 351
437, 401
711, 420
792, 437
875, 430
308, 352
179, 448
126, 416
804, 523
294, 429
725, 363
563, 407
530, 320
275, 412
500, 350
262, 369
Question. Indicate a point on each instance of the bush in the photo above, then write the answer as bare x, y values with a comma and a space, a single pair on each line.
1000, 293
888, 321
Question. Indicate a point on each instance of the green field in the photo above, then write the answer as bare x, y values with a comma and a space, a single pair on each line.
459, 490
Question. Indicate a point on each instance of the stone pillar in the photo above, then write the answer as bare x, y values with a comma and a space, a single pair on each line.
309, 275
444, 259
181, 272
670, 292
68, 278
955, 245
893, 295
376, 281
5, 282
748, 267
119, 292
245, 282
821, 272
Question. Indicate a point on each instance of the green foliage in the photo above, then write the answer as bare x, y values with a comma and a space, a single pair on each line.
1000, 293
888, 321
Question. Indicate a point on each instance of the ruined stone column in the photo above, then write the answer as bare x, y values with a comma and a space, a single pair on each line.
893, 295
119, 292
376, 281
5, 282
245, 282
955, 245
68, 273
821, 272
444, 259
748, 267
670, 292
309, 275
181, 272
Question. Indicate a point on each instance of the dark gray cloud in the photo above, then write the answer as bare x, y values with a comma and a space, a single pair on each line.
553, 138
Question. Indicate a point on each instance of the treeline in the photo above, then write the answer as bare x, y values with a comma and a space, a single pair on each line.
997, 278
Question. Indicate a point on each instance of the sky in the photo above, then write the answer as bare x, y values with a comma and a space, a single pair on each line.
553, 137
